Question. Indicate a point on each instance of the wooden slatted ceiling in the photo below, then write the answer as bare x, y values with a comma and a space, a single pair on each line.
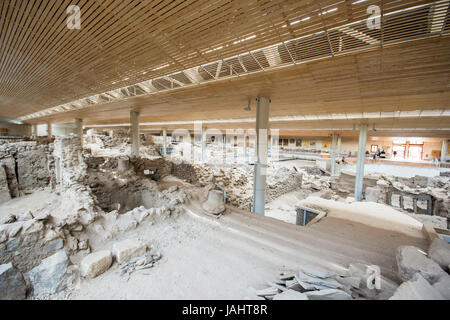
425, 21
43, 63
403, 77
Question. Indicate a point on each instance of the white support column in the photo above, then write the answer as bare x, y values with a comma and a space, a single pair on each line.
259, 184
360, 165
135, 143
444, 150
333, 153
79, 130
164, 143
203, 144
49, 129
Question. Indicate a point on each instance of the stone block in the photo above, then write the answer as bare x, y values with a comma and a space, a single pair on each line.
47, 278
95, 263
12, 284
417, 288
443, 286
411, 260
439, 252
127, 249
53, 246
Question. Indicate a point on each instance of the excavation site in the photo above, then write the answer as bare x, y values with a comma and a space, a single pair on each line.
246, 151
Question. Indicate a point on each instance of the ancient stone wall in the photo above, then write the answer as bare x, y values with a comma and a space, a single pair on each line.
27, 166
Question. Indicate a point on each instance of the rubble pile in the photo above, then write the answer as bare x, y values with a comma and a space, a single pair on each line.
317, 283
45, 249
425, 276
437, 187
43, 252
131, 219
146, 261
314, 179
238, 180
117, 142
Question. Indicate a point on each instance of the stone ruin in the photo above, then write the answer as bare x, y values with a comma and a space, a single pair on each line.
43, 253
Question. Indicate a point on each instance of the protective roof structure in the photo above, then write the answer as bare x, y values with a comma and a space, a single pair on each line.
193, 60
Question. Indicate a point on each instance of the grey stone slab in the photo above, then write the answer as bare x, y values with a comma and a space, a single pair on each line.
12, 284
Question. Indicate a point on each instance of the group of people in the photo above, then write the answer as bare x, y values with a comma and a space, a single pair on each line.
380, 154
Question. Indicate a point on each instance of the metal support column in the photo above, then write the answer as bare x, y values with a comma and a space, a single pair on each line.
135, 143
360, 165
259, 184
